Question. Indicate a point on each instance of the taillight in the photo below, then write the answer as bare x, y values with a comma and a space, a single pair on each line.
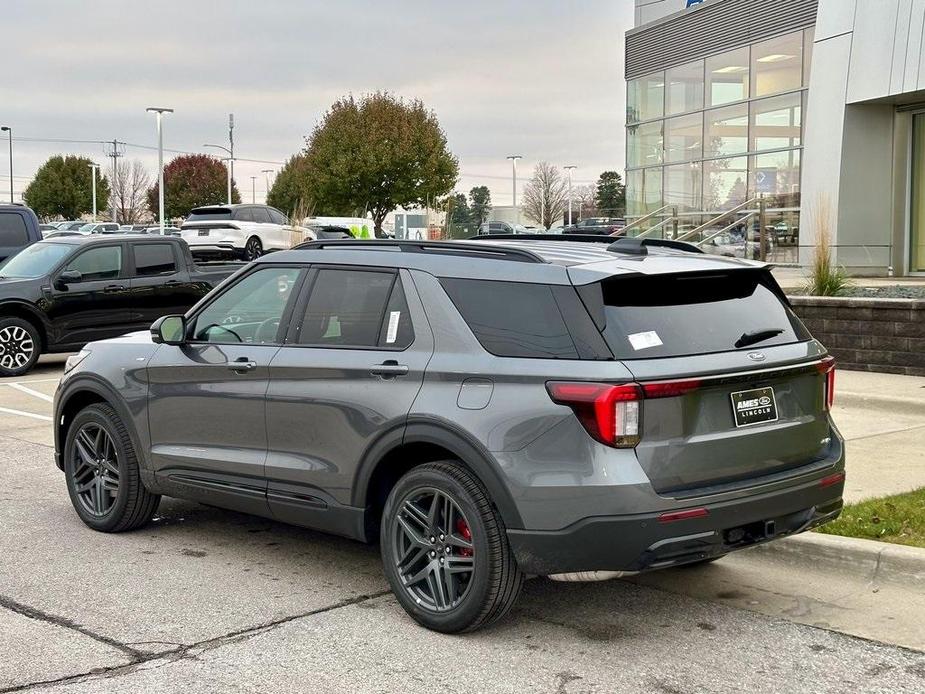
609, 413
827, 368
670, 389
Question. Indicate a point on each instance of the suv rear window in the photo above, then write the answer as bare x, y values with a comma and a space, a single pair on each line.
13, 229
209, 214
681, 315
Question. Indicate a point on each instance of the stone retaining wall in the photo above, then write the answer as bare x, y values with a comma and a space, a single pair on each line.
885, 335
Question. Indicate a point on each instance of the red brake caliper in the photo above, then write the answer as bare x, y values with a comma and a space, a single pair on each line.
463, 529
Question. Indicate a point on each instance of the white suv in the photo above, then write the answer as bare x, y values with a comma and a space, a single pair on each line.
243, 231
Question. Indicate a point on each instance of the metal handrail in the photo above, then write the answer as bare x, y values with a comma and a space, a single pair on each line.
637, 222
653, 228
725, 229
696, 230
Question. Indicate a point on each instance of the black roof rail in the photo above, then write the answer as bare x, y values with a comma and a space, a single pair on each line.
636, 246
581, 238
408, 246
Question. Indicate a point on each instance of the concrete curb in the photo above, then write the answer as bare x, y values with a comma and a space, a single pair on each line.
877, 561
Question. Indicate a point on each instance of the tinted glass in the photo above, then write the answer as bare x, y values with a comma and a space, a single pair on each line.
250, 311
154, 259
36, 260
277, 217
209, 214
512, 319
345, 308
244, 215
678, 315
98, 263
261, 214
12, 229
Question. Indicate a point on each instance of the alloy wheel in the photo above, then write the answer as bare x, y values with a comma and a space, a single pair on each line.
16, 347
96, 470
433, 549
252, 250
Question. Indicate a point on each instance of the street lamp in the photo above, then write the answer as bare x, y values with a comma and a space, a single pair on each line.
9, 131
160, 161
253, 190
266, 174
569, 169
514, 158
229, 168
94, 167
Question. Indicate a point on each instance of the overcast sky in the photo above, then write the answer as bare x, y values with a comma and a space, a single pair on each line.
541, 78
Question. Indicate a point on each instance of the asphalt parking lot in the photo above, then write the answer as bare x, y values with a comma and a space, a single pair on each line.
204, 600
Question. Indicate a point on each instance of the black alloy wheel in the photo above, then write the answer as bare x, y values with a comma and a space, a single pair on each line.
96, 470
253, 249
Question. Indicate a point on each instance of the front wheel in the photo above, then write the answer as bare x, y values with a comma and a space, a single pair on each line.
445, 550
20, 346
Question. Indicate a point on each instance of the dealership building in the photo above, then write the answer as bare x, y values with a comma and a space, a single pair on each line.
815, 108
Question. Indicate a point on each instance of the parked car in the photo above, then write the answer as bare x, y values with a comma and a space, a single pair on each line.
502, 228
47, 229
70, 226
243, 231
59, 294
100, 228
19, 227
133, 228
621, 407
168, 231
330, 231
597, 225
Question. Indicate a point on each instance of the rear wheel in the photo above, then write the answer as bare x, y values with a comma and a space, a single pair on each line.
445, 550
20, 346
253, 249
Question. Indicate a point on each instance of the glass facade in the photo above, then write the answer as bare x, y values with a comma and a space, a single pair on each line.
711, 134
917, 197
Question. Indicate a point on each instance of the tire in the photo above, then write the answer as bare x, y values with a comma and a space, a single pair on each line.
467, 600
20, 346
253, 249
127, 507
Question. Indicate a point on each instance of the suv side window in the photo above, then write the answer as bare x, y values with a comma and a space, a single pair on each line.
103, 263
244, 214
13, 229
261, 215
347, 308
249, 311
277, 217
513, 319
154, 259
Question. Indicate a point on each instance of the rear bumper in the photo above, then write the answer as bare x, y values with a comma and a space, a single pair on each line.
643, 542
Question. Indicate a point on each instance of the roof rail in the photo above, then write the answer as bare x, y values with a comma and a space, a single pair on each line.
637, 246
445, 247
581, 238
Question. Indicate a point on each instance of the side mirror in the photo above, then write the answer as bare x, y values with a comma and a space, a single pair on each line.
168, 330
69, 277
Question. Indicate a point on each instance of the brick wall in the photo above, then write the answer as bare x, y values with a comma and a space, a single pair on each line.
885, 335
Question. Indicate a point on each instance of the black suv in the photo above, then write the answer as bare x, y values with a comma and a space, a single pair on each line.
485, 409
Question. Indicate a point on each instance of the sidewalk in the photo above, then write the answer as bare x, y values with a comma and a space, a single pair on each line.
882, 417
795, 278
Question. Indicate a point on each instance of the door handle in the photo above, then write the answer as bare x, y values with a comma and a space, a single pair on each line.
242, 364
114, 288
389, 369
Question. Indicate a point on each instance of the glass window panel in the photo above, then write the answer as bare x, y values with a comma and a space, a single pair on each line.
776, 122
783, 232
644, 144
726, 131
725, 183
684, 85
683, 186
917, 196
684, 138
808, 37
777, 176
777, 64
727, 77
643, 191
645, 98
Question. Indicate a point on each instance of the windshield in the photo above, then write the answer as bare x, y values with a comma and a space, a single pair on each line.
36, 260
209, 214
87, 227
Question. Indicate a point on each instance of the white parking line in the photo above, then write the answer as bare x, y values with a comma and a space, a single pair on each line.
7, 410
28, 391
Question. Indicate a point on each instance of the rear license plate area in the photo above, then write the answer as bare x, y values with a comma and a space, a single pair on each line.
755, 406
203, 232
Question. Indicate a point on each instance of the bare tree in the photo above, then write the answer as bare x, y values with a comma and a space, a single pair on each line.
129, 192
545, 195
585, 196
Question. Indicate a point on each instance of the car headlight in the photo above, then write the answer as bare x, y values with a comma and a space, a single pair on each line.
75, 359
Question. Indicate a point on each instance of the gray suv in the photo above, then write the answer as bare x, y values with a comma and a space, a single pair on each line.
485, 409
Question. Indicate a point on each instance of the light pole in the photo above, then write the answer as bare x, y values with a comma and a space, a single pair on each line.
229, 168
160, 162
266, 174
9, 131
569, 169
230, 151
253, 190
514, 158
93, 168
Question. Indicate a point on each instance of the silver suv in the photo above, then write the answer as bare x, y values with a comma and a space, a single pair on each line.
484, 409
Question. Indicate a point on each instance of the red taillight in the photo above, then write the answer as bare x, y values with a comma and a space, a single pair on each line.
827, 368
609, 413
837, 478
672, 516
669, 389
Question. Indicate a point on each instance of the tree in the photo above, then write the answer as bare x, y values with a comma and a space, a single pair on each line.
289, 192
375, 154
192, 180
63, 187
611, 194
130, 185
459, 210
545, 195
586, 197
479, 204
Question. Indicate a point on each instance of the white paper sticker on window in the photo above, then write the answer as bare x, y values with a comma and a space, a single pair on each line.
392, 332
644, 340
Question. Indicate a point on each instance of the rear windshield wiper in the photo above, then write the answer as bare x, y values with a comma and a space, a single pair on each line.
757, 336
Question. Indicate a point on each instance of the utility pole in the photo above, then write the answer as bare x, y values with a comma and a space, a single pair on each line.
569, 169
230, 153
114, 155
160, 162
93, 168
514, 158
253, 189
9, 131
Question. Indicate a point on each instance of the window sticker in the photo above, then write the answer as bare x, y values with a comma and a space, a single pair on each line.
392, 332
644, 340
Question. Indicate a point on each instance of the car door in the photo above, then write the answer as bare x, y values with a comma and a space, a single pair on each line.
158, 285
349, 372
96, 306
271, 234
206, 397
